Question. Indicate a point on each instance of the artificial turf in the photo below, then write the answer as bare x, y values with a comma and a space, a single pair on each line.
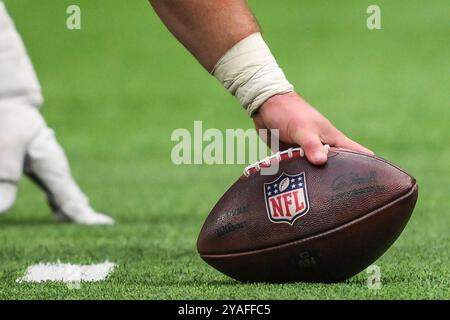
116, 89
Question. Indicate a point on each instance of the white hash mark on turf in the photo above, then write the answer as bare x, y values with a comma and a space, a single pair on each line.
67, 273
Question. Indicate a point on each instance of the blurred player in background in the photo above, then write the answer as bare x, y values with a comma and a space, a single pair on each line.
27, 144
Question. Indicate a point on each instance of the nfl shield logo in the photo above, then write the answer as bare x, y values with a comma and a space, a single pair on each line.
286, 198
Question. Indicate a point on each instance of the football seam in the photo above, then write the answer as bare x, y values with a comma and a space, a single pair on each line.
379, 159
295, 242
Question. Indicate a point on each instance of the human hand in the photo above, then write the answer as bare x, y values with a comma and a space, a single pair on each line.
299, 124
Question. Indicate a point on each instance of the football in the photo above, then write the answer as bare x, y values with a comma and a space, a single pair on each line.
308, 223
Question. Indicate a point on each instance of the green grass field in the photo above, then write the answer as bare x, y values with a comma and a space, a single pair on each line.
117, 89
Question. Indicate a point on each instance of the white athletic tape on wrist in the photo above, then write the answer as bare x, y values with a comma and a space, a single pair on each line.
250, 73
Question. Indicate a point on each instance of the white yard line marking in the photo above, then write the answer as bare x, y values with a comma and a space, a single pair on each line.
67, 273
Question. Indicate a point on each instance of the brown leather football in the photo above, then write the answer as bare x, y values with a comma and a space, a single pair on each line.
308, 223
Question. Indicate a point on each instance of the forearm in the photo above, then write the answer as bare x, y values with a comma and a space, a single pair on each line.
208, 29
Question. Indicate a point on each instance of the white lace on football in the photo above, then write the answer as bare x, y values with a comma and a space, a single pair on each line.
268, 160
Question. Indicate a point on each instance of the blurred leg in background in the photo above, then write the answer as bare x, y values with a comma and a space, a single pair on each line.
27, 144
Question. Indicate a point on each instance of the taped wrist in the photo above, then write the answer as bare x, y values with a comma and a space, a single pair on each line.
250, 73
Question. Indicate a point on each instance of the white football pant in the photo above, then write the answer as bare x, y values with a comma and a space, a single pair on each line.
18, 80
26, 143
